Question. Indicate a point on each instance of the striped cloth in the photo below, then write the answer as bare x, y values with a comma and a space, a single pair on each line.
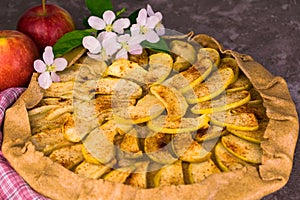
12, 186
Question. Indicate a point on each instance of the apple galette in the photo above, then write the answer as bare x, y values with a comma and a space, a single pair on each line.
160, 120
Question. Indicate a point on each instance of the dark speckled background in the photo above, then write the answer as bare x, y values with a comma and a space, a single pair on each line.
268, 30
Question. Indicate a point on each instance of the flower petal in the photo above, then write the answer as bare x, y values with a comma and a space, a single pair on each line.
151, 36
136, 39
92, 44
55, 77
152, 22
45, 80
122, 54
135, 29
160, 29
39, 66
60, 64
158, 15
48, 55
109, 16
106, 35
120, 24
96, 23
150, 10
111, 45
136, 49
95, 56
123, 38
142, 17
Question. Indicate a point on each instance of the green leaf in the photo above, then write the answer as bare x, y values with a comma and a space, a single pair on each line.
98, 7
120, 12
161, 45
132, 17
69, 41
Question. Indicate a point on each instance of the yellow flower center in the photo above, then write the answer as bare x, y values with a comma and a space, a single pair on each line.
109, 28
143, 30
51, 68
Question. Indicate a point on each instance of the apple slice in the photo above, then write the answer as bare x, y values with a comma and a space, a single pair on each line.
74, 56
90, 170
111, 128
172, 99
60, 89
38, 124
84, 91
224, 102
119, 88
205, 134
85, 110
69, 156
185, 52
138, 178
242, 83
197, 73
89, 157
227, 161
162, 124
170, 175
256, 136
197, 172
228, 62
157, 148
211, 87
130, 145
185, 80
141, 59
49, 140
57, 112
40, 112
160, 66
75, 129
254, 107
123, 68
98, 145
209, 53
245, 150
187, 149
146, 109
69, 130
104, 103
90, 66
237, 121
119, 175
153, 169
69, 74
56, 101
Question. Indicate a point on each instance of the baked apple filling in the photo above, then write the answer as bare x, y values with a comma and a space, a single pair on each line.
155, 119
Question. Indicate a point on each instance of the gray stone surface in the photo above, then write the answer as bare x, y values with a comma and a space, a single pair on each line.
268, 30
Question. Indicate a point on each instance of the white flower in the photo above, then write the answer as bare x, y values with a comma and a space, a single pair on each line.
159, 28
49, 67
102, 47
128, 44
145, 26
108, 22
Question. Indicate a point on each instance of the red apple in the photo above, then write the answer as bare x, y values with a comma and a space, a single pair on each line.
45, 24
17, 54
